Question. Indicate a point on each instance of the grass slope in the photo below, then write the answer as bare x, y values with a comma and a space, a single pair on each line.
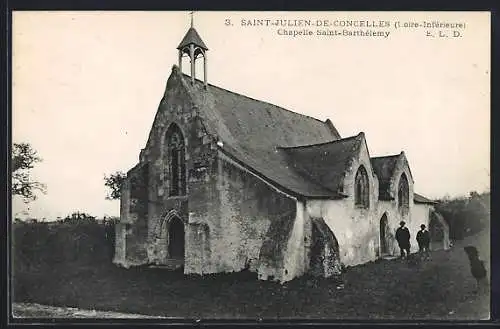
441, 288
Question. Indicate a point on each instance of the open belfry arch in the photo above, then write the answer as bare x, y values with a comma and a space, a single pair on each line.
227, 182
192, 46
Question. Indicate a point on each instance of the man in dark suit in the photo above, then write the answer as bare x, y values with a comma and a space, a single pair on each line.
423, 240
403, 238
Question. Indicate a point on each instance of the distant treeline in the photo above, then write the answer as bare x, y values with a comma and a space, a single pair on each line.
466, 215
72, 218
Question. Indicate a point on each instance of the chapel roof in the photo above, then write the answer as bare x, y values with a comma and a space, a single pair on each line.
258, 124
257, 134
417, 198
300, 154
325, 163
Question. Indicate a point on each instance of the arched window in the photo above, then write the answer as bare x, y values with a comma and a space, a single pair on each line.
175, 158
361, 188
403, 195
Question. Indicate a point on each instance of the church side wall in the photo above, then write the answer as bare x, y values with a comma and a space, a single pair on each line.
394, 217
358, 230
254, 226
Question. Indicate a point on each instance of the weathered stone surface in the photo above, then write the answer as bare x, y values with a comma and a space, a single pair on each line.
324, 255
232, 217
227, 212
256, 221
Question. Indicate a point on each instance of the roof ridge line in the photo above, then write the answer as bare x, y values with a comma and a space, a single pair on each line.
258, 100
319, 144
386, 156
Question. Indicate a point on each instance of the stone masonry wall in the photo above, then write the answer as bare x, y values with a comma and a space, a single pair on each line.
146, 235
131, 231
254, 226
193, 209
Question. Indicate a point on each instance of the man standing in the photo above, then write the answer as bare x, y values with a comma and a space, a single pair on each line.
403, 238
423, 239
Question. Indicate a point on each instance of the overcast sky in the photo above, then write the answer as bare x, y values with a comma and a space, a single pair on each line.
86, 87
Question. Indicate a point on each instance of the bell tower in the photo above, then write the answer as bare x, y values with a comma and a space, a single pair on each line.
193, 47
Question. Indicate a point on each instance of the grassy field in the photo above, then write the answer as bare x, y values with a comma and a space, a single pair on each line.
441, 288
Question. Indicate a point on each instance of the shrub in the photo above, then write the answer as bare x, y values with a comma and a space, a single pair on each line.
466, 215
42, 245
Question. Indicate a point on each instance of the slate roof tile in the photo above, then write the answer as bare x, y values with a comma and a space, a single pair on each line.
417, 198
257, 133
384, 169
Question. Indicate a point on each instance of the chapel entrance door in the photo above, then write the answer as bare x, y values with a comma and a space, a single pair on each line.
384, 228
176, 239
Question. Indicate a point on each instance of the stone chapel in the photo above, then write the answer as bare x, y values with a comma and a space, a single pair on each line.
227, 182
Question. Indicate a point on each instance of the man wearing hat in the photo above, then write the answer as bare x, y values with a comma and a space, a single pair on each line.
403, 238
423, 239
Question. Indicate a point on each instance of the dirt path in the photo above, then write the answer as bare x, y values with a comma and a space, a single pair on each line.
29, 310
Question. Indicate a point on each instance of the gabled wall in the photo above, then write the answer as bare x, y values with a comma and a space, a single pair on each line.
355, 228
145, 240
195, 208
394, 215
